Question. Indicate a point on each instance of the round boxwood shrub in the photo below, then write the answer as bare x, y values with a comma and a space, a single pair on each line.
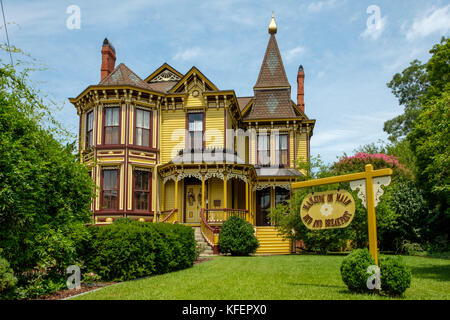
237, 237
395, 277
354, 270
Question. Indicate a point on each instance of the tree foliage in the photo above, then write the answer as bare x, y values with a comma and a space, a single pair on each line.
45, 193
417, 84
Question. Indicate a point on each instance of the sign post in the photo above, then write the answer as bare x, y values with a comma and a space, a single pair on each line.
369, 184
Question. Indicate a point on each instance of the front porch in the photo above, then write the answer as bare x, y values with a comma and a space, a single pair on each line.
206, 195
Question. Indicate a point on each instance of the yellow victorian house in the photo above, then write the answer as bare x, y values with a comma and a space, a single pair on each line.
175, 148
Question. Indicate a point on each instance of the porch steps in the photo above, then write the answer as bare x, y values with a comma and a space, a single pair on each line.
271, 242
207, 251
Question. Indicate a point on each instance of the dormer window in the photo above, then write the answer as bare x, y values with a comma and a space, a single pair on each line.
143, 127
112, 127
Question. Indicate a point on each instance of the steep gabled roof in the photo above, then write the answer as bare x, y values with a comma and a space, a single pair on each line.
272, 73
164, 73
209, 86
122, 75
243, 102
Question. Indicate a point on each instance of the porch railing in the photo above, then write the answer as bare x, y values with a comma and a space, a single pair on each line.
210, 233
168, 216
219, 216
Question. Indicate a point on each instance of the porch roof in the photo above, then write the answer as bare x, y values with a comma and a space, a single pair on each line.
277, 172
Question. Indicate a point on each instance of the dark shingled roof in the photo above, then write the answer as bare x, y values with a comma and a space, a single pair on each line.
272, 99
272, 73
122, 75
163, 86
271, 104
243, 102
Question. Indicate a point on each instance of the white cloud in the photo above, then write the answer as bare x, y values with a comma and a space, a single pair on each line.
435, 20
374, 31
317, 6
294, 53
188, 54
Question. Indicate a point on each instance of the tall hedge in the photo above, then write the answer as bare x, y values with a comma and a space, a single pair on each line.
127, 249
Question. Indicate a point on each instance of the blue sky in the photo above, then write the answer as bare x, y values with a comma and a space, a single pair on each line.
347, 64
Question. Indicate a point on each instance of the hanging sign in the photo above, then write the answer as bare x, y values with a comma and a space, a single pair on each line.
327, 210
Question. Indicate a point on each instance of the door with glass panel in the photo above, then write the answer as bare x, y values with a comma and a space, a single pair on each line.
193, 203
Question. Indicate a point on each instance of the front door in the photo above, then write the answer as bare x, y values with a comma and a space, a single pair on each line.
193, 203
263, 207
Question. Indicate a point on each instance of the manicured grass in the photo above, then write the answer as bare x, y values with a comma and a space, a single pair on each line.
293, 277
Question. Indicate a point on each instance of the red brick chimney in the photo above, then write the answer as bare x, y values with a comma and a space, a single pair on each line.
108, 59
301, 88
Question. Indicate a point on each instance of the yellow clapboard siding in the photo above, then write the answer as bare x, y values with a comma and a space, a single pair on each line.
172, 134
291, 149
215, 193
301, 147
214, 128
169, 197
197, 101
271, 242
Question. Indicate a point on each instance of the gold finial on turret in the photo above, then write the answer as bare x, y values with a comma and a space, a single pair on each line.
272, 26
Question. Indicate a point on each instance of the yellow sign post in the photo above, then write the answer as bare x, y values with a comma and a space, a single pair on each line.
369, 184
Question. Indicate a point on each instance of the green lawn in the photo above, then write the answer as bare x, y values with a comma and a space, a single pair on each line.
273, 278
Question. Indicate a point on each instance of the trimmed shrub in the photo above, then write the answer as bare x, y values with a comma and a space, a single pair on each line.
354, 270
7, 278
237, 237
128, 249
395, 277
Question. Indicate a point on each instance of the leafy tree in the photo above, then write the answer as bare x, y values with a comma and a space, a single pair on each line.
45, 193
408, 87
430, 141
417, 84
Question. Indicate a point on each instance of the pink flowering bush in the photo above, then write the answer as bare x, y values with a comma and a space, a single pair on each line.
358, 162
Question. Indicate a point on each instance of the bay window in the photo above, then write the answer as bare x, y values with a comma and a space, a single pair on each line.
143, 128
112, 128
110, 188
89, 129
142, 192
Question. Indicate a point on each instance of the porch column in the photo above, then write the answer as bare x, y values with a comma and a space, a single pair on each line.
203, 191
176, 193
224, 190
246, 197
163, 197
